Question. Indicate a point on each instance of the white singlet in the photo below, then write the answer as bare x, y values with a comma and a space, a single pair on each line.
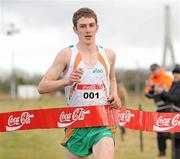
93, 88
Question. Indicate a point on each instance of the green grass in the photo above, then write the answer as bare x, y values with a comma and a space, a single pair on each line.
44, 144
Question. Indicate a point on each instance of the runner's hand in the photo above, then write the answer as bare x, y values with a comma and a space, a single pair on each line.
114, 101
75, 76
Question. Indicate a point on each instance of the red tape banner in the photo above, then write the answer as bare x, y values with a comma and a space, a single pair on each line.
89, 116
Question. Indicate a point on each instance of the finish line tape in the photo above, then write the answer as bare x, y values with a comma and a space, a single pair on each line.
89, 116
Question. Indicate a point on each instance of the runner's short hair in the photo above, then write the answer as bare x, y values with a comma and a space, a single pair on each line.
83, 12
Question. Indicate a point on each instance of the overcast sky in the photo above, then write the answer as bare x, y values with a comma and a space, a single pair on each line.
134, 29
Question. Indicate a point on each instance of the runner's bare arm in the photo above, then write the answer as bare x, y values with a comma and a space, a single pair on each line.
113, 98
50, 81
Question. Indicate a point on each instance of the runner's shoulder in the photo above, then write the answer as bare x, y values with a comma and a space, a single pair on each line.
109, 51
110, 54
64, 54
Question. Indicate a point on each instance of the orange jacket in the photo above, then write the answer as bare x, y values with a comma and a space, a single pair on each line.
162, 79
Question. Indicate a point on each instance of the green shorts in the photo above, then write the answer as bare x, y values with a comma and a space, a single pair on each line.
81, 140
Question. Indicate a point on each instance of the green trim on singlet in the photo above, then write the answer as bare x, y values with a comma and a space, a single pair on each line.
101, 47
70, 46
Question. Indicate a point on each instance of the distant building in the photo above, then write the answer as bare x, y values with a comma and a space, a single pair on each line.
27, 91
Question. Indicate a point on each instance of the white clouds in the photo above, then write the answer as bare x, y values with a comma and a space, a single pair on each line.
131, 57
134, 29
33, 50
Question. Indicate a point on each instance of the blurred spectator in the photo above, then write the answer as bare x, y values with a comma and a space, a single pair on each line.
159, 78
172, 98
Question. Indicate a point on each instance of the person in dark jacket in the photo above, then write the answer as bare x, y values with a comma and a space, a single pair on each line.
159, 77
172, 98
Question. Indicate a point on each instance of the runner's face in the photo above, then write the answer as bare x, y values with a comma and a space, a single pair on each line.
86, 30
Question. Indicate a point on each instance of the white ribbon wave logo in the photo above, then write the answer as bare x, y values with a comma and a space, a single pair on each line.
163, 124
15, 123
125, 117
67, 119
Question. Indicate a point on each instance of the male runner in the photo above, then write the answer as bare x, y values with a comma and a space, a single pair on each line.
89, 79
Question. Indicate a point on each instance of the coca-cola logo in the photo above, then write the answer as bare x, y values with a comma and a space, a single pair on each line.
164, 123
89, 86
92, 87
16, 122
67, 119
125, 117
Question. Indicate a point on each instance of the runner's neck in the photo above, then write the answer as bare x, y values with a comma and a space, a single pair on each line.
87, 49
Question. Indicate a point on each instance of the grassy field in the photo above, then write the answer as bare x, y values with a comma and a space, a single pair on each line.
44, 144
